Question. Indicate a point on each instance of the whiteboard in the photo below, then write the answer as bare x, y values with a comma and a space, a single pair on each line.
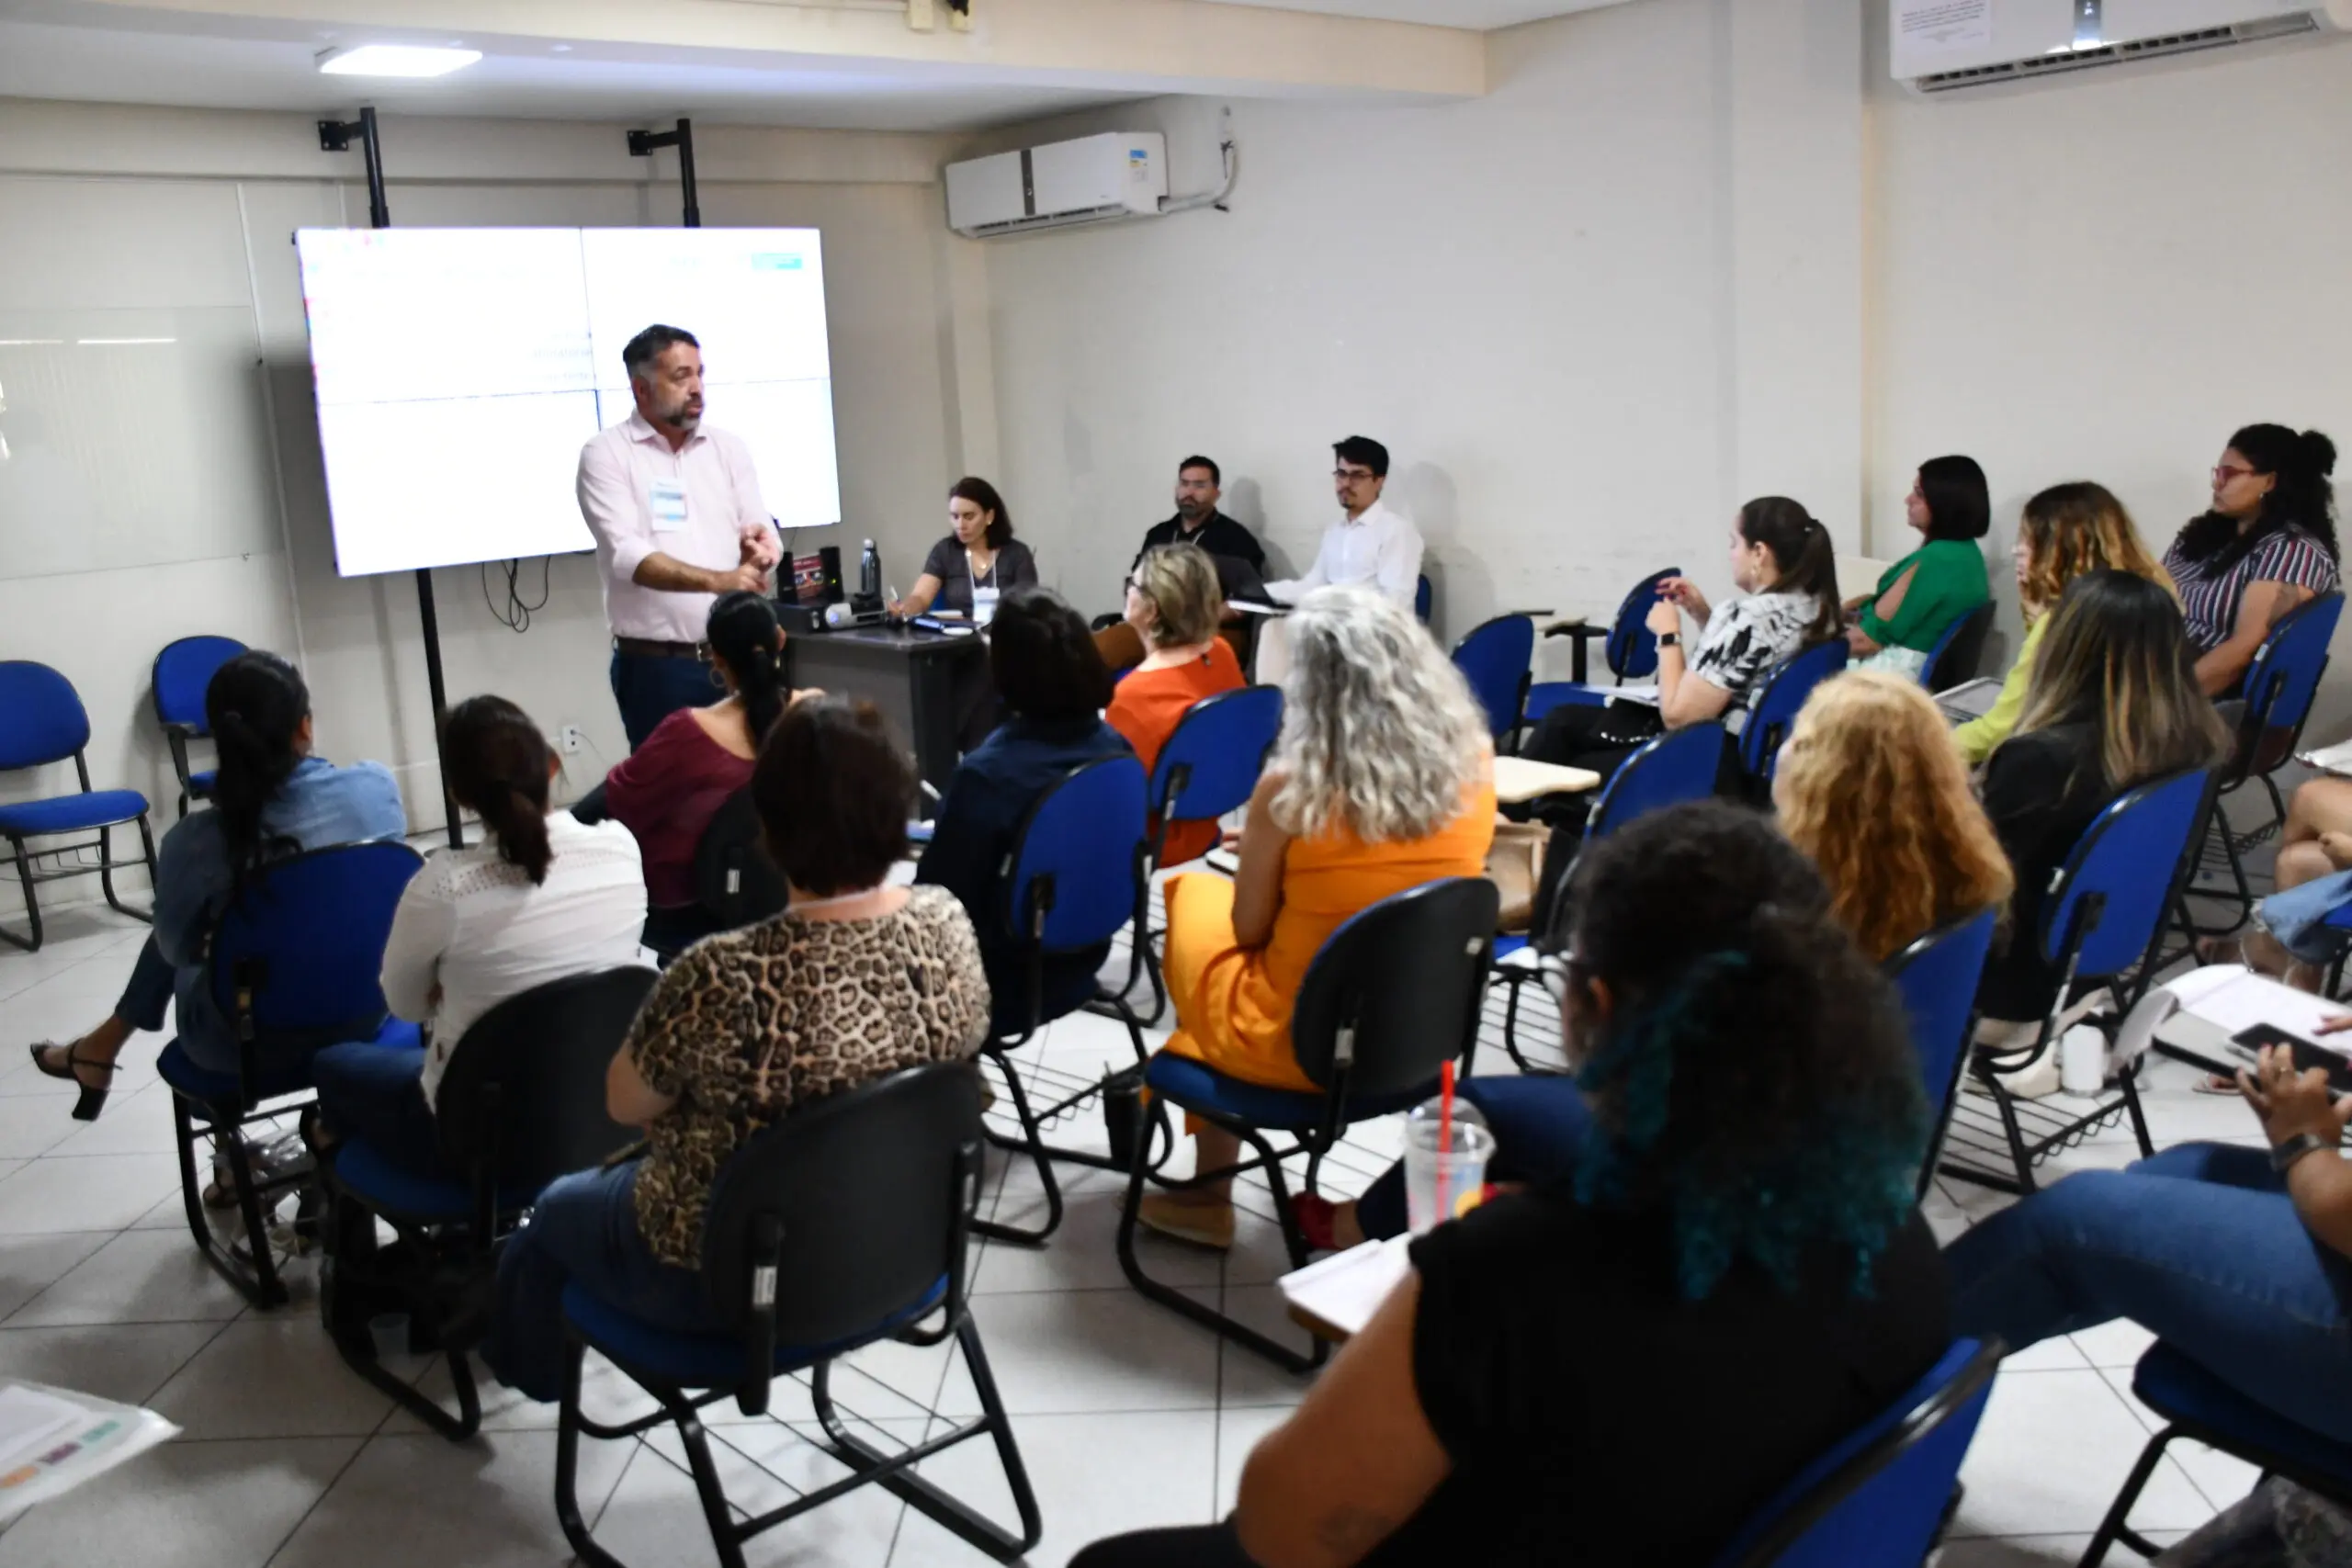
458, 372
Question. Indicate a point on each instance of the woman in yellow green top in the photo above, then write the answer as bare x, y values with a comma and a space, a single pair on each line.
1894, 628
2065, 531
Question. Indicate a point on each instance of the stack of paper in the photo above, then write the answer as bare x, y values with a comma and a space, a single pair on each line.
1338, 1295
2335, 759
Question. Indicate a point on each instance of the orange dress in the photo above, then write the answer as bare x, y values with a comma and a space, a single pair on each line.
1233, 1004
1144, 708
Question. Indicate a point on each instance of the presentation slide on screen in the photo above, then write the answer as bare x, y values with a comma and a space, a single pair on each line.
460, 371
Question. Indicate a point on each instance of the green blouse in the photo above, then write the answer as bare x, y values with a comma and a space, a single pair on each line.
1949, 581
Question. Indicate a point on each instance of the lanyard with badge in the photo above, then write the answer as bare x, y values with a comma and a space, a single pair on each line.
666, 499
983, 599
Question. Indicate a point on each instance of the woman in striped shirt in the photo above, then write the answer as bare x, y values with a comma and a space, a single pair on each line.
2268, 545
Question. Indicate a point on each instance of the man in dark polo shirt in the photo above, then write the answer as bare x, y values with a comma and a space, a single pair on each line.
1198, 521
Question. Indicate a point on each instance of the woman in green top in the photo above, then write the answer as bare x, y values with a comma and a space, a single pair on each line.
1896, 628
2065, 531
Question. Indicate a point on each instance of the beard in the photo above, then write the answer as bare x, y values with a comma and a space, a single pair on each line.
685, 416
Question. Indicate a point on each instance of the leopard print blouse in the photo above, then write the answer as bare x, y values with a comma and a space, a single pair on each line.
749, 1024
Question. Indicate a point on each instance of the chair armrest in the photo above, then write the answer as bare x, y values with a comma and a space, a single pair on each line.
1583, 631
1530, 615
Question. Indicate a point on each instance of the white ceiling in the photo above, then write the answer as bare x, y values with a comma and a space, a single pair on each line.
1477, 15
144, 65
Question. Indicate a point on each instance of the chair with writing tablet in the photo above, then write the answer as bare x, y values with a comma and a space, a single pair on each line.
1629, 649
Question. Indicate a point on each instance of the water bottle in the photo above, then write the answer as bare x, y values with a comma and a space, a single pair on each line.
869, 572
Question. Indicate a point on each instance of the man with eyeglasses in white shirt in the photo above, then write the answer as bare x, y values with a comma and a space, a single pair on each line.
1370, 545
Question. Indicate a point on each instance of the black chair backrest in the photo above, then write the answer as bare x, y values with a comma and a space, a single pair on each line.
526, 1084
735, 882
1395, 990
846, 1212
1960, 650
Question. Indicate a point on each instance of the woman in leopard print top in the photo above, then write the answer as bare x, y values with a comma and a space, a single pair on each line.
853, 982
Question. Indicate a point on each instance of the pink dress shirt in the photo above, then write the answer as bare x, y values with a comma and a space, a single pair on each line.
618, 468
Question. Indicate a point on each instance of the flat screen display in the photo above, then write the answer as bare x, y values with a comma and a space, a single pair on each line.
458, 372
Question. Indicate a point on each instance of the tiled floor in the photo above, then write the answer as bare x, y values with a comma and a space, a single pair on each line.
1126, 1415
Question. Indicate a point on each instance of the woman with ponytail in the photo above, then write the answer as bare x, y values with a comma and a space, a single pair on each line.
1719, 1217
1787, 575
270, 797
541, 897
667, 790
2267, 544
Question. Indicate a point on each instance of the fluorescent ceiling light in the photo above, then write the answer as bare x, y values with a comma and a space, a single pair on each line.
396, 59
118, 342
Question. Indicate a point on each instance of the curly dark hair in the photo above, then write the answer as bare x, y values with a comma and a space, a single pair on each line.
2302, 498
1755, 1080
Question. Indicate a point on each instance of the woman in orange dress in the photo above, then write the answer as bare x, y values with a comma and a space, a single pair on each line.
1173, 604
1382, 780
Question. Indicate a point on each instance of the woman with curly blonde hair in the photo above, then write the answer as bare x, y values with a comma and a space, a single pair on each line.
2065, 532
1382, 779
1869, 786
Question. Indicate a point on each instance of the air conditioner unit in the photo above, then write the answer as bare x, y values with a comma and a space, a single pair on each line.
1942, 46
1094, 179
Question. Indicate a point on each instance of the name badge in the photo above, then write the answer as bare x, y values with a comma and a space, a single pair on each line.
983, 606
667, 501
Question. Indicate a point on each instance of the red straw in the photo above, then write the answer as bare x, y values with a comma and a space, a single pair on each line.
1444, 1135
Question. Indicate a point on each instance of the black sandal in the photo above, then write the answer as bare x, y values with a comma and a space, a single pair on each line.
92, 1100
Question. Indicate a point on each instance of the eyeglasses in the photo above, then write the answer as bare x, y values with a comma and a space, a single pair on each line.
2223, 473
1352, 475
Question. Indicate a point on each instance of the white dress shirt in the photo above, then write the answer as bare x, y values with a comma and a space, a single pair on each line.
478, 930
631, 488
1378, 549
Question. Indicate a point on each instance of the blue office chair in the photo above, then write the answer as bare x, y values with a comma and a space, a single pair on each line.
1390, 998
2202, 1407
2102, 921
183, 670
1208, 766
1497, 657
1937, 976
1682, 764
521, 1102
843, 1226
1780, 697
42, 721
1958, 651
2278, 691
295, 962
1876, 1499
1076, 878
1629, 648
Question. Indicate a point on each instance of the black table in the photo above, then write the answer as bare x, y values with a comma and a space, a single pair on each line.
918, 679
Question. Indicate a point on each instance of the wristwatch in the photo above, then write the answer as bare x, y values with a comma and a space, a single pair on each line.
2296, 1148
1669, 639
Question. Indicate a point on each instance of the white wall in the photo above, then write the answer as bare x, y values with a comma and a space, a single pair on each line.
1683, 253
192, 211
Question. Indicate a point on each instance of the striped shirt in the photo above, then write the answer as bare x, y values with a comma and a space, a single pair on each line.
2209, 600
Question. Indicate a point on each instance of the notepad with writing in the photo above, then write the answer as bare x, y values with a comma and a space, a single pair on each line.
1341, 1293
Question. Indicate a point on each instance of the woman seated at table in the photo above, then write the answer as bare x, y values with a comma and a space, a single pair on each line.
542, 897
1895, 626
1173, 603
1382, 780
1623, 1363
2114, 703
2268, 545
1053, 688
666, 792
856, 980
1787, 575
271, 798
980, 561
1868, 787
2065, 531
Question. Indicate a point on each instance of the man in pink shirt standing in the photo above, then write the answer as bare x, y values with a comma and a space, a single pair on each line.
676, 511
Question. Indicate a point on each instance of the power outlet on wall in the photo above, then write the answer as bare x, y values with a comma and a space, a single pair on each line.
570, 739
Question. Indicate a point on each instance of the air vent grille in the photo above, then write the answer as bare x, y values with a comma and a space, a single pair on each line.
2118, 53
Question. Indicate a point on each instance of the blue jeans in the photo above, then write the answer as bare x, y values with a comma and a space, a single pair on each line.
374, 1093
148, 991
583, 1230
2201, 1246
650, 687
1539, 1126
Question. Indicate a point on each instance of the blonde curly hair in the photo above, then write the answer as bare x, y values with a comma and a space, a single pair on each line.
1379, 733
1870, 786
